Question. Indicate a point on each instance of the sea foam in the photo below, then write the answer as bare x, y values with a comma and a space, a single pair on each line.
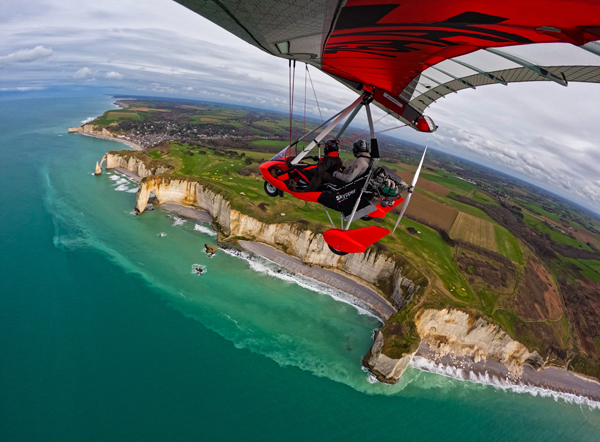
178, 221
263, 265
428, 365
205, 230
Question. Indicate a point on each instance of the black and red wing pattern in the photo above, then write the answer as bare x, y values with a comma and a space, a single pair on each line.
386, 44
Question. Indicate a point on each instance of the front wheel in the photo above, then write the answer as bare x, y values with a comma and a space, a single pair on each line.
271, 190
336, 251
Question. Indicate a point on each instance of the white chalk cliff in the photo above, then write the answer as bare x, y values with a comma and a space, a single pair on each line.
303, 244
447, 331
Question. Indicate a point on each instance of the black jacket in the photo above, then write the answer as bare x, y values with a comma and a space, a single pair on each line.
328, 164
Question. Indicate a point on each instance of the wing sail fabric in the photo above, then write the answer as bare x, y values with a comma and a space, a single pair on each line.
385, 45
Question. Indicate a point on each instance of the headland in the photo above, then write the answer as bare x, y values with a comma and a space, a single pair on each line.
452, 302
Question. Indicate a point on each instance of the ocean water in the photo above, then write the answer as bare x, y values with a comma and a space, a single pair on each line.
107, 334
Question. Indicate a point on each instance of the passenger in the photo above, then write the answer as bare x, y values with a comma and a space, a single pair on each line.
329, 163
360, 165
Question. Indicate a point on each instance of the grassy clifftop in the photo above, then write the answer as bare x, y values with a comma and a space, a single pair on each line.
483, 267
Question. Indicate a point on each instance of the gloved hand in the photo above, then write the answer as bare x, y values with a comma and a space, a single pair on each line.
410, 189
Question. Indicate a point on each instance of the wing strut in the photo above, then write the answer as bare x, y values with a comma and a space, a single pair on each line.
328, 129
411, 189
374, 161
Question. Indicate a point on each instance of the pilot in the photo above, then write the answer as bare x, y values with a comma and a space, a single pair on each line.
360, 165
329, 163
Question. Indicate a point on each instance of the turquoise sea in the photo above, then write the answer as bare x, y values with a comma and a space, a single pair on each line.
107, 335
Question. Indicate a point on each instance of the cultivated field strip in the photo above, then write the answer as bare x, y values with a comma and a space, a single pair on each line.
474, 230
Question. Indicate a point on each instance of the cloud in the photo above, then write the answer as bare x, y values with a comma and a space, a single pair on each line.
83, 73
114, 75
531, 161
21, 89
25, 56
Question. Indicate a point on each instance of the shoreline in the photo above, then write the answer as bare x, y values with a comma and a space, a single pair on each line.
131, 144
556, 382
371, 299
188, 212
551, 381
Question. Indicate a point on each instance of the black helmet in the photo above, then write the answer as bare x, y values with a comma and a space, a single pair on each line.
332, 145
360, 146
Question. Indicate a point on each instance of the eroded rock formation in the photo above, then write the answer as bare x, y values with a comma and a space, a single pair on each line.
451, 331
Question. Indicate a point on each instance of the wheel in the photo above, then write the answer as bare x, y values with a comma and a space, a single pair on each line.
367, 218
336, 251
270, 189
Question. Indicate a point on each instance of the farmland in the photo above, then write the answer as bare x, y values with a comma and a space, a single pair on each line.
474, 230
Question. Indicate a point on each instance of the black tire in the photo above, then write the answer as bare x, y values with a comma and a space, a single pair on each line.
367, 218
336, 251
271, 190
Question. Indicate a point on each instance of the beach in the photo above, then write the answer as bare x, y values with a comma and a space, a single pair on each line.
563, 383
131, 144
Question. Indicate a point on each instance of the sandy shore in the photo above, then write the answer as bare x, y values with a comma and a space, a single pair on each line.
373, 301
189, 212
132, 176
564, 383
118, 140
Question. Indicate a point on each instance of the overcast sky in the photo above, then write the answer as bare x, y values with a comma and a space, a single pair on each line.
542, 132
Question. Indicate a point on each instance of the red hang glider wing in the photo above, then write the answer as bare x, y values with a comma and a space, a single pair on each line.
385, 45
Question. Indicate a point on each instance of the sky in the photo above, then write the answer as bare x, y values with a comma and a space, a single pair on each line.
543, 133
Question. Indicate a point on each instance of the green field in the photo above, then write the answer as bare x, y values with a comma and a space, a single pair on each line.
556, 236
589, 268
482, 198
458, 186
508, 245
537, 208
272, 143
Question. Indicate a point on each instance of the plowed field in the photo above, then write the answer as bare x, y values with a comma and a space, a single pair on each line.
474, 230
431, 212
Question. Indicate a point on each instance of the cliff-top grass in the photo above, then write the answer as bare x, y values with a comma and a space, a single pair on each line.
234, 174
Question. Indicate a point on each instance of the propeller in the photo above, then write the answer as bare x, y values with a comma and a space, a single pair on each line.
410, 190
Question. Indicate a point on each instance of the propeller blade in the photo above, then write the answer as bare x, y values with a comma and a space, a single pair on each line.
410, 191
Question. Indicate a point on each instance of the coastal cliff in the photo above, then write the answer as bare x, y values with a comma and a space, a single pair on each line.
454, 332
446, 332
135, 163
375, 268
409, 336
449, 333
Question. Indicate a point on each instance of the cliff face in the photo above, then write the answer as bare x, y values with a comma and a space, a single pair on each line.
95, 130
133, 164
445, 331
386, 369
304, 244
454, 332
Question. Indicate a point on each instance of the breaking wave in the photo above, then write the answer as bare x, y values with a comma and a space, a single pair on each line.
263, 265
206, 230
460, 374
88, 120
179, 221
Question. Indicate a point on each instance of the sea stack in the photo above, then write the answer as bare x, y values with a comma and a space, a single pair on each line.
98, 169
